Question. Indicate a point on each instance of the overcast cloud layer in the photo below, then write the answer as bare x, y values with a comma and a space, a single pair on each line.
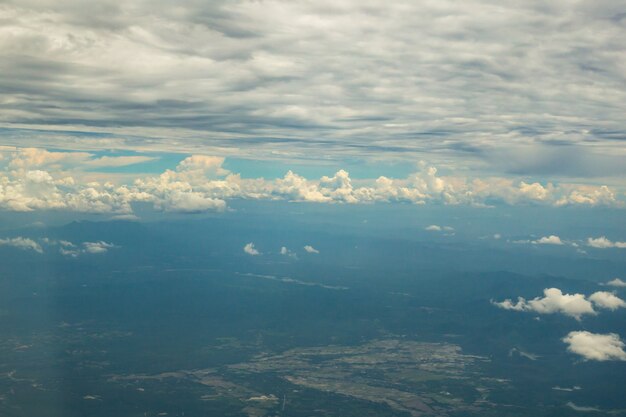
523, 88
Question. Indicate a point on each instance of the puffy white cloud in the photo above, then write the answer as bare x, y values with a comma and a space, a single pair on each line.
616, 283
554, 301
311, 249
604, 299
597, 347
603, 243
201, 183
22, 243
250, 249
587, 195
548, 240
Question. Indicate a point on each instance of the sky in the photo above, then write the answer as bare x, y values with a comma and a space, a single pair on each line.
188, 107
478, 103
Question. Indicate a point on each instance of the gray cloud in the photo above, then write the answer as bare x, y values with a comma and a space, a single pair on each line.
460, 82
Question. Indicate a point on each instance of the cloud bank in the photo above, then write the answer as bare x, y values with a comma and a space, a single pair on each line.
46, 180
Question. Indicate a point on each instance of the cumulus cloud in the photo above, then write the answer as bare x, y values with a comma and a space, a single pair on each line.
548, 240
554, 301
250, 249
573, 305
310, 249
603, 243
607, 300
597, 347
200, 183
22, 243
616, 283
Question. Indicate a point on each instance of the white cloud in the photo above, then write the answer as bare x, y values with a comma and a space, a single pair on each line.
437, 228
22, 243
67, 248
602, 243
311, 249
97, 247
582, 408
616, 283
286, 252
250, 249
598, 347
604, 299
201, 183
548, 240
567, 389
554, 301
